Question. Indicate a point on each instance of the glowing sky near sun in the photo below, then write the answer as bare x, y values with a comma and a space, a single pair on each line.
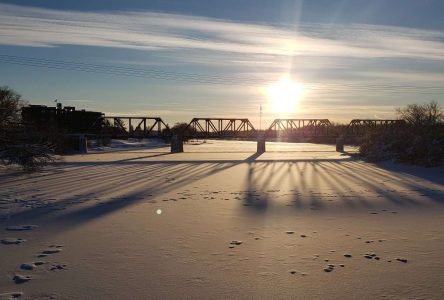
284, 96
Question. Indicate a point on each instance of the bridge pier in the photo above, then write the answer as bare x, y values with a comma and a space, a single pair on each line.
176, 144
261, 143
340, 144
83, 144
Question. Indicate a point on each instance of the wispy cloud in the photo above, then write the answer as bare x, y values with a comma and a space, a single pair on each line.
78, 101
353, 70
30, 26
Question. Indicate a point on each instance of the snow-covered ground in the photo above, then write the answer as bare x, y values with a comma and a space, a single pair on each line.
115, 145
300, 221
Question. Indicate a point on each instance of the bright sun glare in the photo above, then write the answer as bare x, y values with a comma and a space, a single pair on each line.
284, 95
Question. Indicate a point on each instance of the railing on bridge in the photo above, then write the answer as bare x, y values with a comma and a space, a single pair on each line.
219, 128
300, 127
132, 126
358, 127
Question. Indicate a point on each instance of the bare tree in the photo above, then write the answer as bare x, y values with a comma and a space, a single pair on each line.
19, 145
11, 104
422, 114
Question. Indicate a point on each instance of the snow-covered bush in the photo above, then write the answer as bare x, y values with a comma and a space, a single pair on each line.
420, 141
20, 145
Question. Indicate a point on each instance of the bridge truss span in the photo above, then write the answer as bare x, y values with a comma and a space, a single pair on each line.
301, 127
219, 128
358, 127
132, 126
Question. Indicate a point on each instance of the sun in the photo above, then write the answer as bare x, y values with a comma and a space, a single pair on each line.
284, 95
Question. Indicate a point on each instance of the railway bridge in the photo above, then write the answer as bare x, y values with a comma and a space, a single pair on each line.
81, 124
234, 128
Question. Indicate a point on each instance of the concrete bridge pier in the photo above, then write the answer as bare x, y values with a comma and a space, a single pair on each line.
176, 144
340, 144
83, 144
261, 143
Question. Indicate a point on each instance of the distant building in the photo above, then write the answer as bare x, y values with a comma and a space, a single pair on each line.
63, 120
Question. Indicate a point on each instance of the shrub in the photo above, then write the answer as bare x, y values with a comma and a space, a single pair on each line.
18, 145
181, 129
31, 157
420, 141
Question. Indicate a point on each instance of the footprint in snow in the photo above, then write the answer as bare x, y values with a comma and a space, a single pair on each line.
18, 279
31, 266
21, 227
12, 241
11, 295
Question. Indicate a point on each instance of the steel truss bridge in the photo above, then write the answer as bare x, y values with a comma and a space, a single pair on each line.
243, 128
219, 128
299, 127
134, 127
226, 128
358, 127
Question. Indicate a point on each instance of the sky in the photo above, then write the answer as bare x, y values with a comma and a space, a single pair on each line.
184, 59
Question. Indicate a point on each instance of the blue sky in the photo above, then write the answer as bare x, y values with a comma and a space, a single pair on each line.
184, 59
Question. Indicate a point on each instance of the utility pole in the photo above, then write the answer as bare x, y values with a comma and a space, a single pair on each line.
260, 117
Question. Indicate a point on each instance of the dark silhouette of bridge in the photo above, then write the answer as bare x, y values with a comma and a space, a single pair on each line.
358, 127
237, 128
300, 127
219, 128
134, 127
